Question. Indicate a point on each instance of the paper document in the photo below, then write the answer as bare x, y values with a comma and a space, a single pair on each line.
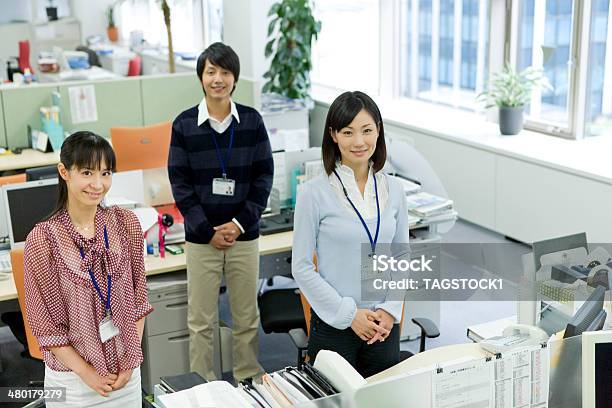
218, 394
467, 384
521, 378
83, 107
295, 139
279, 181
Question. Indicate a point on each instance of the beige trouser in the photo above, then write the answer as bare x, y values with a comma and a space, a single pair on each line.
239, 265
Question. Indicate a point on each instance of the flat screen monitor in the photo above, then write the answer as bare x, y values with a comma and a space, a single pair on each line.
590, 316
41, 173
26, 204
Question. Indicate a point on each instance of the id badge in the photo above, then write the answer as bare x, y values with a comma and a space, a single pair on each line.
223, 186
107, 328
367, 268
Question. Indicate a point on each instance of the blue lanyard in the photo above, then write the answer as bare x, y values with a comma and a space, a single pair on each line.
375, 240
229, 150
93, 278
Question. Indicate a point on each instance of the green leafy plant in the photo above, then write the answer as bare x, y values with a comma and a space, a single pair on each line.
110, 16
511, 89
290, 33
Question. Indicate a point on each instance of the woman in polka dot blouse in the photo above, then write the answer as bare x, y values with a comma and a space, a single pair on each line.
86, 295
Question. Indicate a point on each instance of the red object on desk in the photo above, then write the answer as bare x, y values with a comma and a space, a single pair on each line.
24, 56
173, 210
134, 66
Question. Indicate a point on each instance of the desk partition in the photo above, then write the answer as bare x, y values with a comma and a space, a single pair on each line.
134, 101
119, 103
2, 129
164, 96
21, 108
564, 391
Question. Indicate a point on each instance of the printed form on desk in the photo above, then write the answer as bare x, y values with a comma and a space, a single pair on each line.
214, 394
518, 378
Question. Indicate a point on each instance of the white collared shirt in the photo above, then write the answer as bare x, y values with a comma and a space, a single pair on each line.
366, 204
217, 126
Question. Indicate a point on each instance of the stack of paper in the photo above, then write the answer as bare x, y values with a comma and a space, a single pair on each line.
214, 394
342, 375
430, 208
409, 186
425, 205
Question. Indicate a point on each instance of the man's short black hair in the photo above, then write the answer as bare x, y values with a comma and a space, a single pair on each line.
222, 56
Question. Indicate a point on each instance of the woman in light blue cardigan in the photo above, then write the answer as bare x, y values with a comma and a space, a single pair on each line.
352, 204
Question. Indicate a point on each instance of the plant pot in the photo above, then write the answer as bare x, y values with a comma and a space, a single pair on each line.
52, 13
511, 120
113, 33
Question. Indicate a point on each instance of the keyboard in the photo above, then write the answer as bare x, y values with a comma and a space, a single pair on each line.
276, 223
5, 262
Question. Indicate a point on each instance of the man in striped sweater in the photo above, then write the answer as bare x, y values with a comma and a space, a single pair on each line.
220, 167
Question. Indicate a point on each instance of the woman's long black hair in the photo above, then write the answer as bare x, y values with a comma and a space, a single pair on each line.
83, 150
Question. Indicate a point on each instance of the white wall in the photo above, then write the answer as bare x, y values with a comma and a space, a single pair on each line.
245, 26
92, 15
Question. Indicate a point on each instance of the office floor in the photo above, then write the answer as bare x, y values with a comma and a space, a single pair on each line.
277, 350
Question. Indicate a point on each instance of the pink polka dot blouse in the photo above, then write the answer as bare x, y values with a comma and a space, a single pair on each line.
62, 305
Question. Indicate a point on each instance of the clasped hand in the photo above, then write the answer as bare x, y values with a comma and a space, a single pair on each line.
372, 326
225, 235
103, 385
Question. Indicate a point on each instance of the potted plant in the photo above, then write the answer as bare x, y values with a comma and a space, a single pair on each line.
290, 33
111, 30
51, 11
510, 91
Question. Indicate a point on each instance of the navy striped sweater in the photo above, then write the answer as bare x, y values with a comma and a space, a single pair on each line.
193, 164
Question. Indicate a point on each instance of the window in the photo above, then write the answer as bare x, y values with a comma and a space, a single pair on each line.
187, 19
599, 87
545, 40
346, 54
443, 50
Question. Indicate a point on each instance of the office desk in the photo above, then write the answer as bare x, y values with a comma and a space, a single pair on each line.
28, 158
89, 74
268, 245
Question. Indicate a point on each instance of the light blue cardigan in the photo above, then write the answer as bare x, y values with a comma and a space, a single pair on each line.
323, 225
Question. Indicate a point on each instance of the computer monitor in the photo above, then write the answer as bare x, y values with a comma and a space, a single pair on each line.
41, 173
26, 204
590, 316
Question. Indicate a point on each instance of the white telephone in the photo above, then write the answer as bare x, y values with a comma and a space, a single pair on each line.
514, 336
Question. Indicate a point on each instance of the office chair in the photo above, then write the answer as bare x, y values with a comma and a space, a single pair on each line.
134, 66
92, 56
280, 310
33, 349
13, 179
300, 336
141, 147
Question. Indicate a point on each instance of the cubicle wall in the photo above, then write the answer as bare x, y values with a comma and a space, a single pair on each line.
2, 129
21, 108
119, 103
136, 101
165, 96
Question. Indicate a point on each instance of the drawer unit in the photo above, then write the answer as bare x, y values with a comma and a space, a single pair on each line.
165, 354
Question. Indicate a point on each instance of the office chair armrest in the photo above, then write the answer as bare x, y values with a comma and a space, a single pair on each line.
428, 330
299, 338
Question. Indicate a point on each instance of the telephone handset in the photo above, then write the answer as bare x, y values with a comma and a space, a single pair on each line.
514, 336
538, 335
